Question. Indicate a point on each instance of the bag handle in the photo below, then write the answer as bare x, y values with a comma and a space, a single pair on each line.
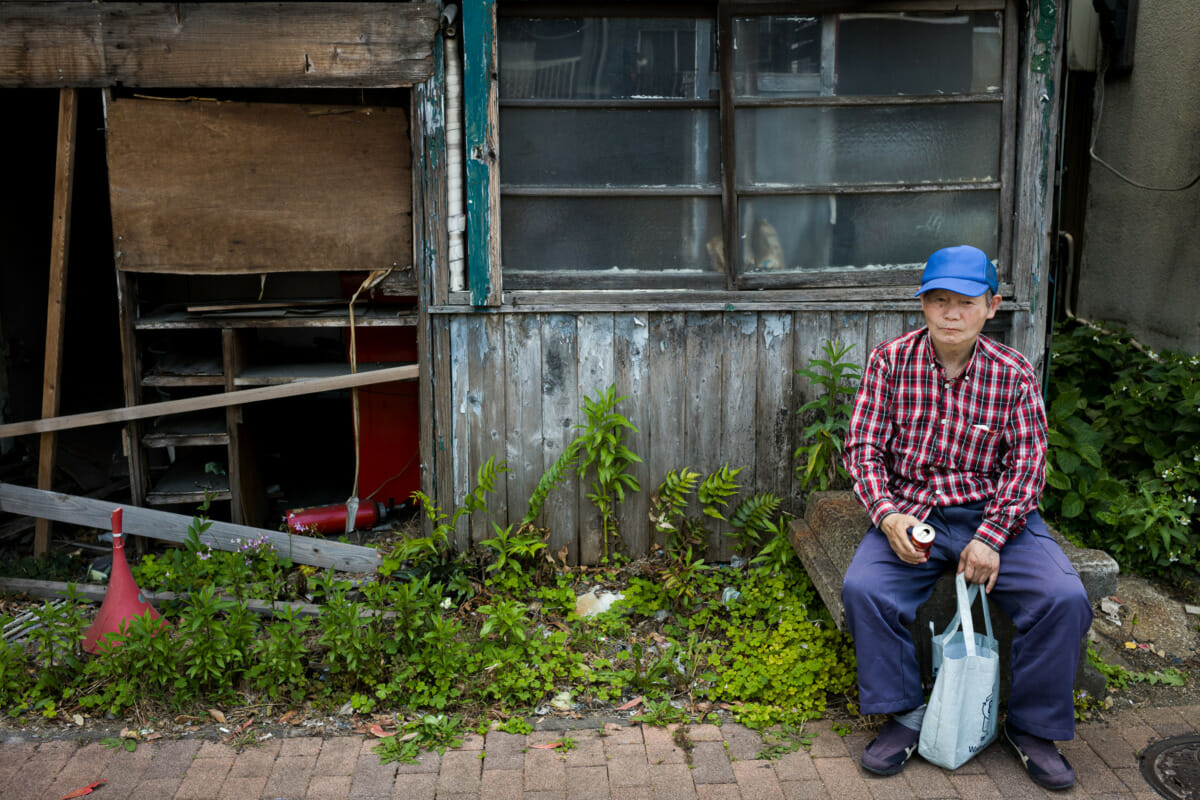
966, 597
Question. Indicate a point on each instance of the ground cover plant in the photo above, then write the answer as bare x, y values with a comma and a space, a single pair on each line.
441, 641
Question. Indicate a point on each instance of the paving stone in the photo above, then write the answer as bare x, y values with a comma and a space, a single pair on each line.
544, 796
586, 783
889, 787
289, 776
338, 756
1138, 734
1190, 714
85, 766
504, 751
705, 733
756, 779
710, 764
826, 743
795, 767
1166, 722
255, 761
545, 771
156, 788
615, 735
672, 782
627, 766
1133, 780
300, 746
1008, 774
928, 780
373, 778
641, 792
242, 788
1106, 742
744, 744
328, 787
210, 749
33, 778
171, 759
975, 787
1092, 774
472, 741
841, 777
804, 790
123, 772
588, 752
661, 747
460, 773
427, 762
204, 778
423, 786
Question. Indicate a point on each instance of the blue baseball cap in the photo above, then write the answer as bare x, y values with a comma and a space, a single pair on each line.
963, 269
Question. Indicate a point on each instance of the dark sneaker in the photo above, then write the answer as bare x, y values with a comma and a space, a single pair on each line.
890, 750
1042, 760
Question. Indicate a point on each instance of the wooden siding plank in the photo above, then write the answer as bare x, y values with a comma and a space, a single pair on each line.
1038, 112
481, 109
631, 356
56, 318
774, 411
813, 329
881, 326
667, 363
703, 398
596, 374
228, 188
293, 45
739, 381
560, 413
486, 413
525, 448
461, 427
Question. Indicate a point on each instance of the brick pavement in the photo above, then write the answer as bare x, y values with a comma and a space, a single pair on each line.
626, 763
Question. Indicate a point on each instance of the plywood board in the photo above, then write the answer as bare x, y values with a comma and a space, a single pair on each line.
231, 188
274, 45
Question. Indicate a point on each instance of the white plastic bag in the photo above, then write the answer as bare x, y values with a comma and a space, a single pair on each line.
960, 720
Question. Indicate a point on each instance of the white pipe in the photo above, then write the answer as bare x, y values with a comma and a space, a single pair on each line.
457, 219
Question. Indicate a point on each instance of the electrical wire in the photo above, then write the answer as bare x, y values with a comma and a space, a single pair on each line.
1110, 167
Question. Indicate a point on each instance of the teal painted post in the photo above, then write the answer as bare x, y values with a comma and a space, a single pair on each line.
481, 109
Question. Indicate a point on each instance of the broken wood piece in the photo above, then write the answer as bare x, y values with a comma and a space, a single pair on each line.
174, 528
235, 398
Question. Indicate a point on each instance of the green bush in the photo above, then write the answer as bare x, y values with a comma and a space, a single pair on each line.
1123, 470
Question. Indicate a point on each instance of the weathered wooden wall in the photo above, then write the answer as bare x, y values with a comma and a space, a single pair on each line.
703, 388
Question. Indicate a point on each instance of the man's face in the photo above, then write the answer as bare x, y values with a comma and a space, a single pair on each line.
954, 319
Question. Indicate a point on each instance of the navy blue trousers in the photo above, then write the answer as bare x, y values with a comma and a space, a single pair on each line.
1037, 588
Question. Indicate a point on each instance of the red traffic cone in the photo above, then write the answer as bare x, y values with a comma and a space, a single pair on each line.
123, 600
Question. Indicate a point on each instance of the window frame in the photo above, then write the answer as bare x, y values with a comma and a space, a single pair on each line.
734, 282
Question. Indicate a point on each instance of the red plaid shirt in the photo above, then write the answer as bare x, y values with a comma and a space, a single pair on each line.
917, 440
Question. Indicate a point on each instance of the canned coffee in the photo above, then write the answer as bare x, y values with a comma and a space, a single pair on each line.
922, 537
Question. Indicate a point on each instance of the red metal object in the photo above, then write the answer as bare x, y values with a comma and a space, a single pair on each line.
123, 600
922, 537
332, 519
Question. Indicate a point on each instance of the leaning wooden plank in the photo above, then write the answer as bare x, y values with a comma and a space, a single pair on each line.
52, 590
289, 45
56, 318
241, 397
233, 188
174, 528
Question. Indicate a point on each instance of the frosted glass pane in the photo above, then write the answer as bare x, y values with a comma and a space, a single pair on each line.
627, 147
816, 232
635, 233
593, 58
867, 54
868, 144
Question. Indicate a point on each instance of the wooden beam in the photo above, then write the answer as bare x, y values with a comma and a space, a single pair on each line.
53, 590
270, 45
481, 108
56, 318
170, 527
241, 397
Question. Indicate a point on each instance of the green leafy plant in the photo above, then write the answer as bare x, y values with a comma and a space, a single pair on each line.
512, 555
430, 732
1123, 468
820, 460
603, 453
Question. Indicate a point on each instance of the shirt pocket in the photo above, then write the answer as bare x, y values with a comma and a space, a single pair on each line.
974, 447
